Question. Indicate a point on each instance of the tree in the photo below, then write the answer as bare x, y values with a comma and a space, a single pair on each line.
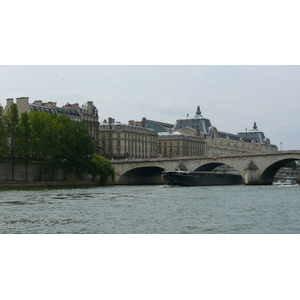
11, 120
59, 142
43, 139
100, 166
291, 165
23, 142
75, 145
4, 146
56, 142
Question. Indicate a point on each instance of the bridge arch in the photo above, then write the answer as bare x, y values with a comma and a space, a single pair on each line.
267, 176
209, 166
213, 165
141, 176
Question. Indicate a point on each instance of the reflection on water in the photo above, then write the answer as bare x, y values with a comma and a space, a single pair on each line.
152, 209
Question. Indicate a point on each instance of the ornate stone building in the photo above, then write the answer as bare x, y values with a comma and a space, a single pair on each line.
178, 143
195, 136
119, 141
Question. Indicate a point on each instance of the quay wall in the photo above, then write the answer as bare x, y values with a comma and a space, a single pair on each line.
38, 178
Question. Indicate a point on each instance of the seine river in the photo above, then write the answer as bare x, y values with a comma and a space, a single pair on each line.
152, 210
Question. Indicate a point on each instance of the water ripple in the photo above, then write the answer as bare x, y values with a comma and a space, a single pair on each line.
152, 209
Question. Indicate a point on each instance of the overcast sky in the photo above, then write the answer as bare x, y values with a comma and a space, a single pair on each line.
160, 59
232, 97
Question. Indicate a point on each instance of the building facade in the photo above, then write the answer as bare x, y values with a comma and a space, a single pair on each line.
196, 136
120, 141
190, 136
181, 144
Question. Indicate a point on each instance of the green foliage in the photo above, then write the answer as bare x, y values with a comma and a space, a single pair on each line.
75, 145
4, 147
11, 121
60, 142
56, 142
100, 166
23, 141
291, 165
43, 139
43, 134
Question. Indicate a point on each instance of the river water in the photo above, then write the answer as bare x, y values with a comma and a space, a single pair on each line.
152, 210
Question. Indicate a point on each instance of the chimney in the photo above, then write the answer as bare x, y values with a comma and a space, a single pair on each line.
131, 122
9, 102
47, 104
38, 102
22, 104
90, 105
50, 104
75, 106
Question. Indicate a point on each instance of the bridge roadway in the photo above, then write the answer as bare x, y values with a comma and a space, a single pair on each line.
256, 169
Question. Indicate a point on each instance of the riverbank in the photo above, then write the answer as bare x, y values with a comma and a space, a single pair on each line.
46, 184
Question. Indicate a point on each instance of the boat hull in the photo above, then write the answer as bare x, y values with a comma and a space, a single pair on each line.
288, 181
201, 178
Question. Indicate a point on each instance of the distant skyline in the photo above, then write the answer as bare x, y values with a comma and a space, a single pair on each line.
232, 97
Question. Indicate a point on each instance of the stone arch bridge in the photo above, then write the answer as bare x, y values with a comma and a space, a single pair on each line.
256, 169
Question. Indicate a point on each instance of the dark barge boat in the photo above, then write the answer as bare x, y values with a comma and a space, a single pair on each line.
194, 178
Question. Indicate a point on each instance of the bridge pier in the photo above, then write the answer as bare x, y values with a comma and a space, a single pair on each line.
251, 174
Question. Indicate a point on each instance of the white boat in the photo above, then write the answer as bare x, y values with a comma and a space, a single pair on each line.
287, 181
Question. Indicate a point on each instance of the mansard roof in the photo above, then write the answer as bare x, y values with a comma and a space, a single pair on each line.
197, 122
56, 110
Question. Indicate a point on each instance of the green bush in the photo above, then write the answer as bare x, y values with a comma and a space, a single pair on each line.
102, 167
